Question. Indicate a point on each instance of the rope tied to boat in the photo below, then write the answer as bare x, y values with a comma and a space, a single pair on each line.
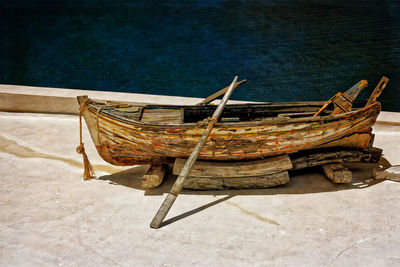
204, 122
88, 168
89, 172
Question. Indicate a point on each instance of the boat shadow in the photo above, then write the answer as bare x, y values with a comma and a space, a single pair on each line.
307, 181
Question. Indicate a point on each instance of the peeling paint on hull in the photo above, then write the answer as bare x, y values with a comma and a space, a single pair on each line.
121, 143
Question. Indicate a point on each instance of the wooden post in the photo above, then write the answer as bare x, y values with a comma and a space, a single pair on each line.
177, 187
337, 173
154, 176
378, 90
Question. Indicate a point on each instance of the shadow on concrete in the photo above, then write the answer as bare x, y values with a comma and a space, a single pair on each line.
306, 181
194, 211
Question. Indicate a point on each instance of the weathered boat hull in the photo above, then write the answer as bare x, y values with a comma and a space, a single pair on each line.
120, 142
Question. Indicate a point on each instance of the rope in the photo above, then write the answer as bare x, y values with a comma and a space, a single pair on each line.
88, 168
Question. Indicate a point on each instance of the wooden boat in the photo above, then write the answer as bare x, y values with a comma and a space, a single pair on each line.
131, 134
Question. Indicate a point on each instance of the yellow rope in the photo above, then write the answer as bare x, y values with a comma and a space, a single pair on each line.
88, 168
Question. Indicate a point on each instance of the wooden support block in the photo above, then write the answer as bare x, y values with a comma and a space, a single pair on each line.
203, 183
392, 173
311, 159
376, 153
337, 173
263, 181
371, 141
208, 169
154, 176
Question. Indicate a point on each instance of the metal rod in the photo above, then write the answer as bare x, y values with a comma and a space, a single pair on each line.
178, 185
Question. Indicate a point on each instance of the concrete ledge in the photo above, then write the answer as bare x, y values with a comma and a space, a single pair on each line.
38, 103
18, 98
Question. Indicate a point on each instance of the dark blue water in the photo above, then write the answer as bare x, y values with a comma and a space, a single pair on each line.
287, 50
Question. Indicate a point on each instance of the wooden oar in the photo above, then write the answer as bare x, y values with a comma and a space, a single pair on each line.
378, 90
177, 187
214, 96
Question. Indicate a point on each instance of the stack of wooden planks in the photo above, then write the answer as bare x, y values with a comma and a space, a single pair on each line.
269, 172
248, 174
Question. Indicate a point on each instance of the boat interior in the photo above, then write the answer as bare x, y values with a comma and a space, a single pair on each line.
169, 114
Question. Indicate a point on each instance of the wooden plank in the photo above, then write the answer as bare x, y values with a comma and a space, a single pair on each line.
162, 116
356, 140
337, 173
235, 169
376, 153
371, 140
233, 119
297, 114
154, 176
247, 143
263, 181
203, 183
311, 159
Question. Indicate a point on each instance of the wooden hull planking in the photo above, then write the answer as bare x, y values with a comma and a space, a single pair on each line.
122, 143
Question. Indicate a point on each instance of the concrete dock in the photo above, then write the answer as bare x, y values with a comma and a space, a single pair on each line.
51, 217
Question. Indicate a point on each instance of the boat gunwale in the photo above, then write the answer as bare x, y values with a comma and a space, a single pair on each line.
255, 123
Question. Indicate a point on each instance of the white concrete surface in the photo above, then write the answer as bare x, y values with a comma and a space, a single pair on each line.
50, 217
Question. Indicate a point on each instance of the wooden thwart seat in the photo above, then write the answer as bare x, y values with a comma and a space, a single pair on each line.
162, 116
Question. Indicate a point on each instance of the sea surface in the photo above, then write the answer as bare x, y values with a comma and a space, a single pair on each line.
288, 50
